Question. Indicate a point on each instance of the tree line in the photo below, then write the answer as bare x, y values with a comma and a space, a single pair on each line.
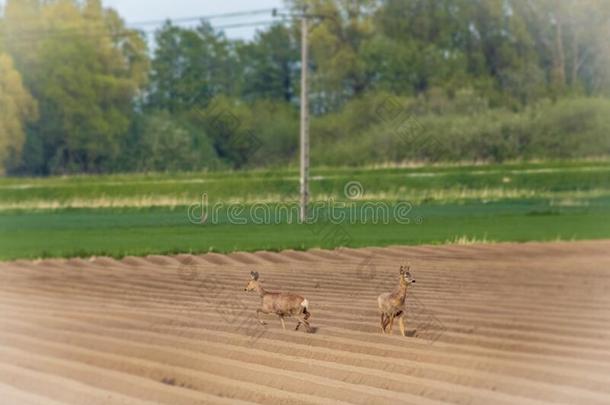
81, 92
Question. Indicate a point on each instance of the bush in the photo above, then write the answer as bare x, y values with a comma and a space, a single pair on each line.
249, 134
163, 144
374, 128
570, 128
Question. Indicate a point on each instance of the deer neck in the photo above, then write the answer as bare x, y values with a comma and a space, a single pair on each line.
401, 291
260, 290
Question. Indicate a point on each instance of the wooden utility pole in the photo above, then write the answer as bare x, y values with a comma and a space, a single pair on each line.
304, 130
304, 180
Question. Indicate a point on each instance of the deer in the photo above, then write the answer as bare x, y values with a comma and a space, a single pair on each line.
392, 304
281, 304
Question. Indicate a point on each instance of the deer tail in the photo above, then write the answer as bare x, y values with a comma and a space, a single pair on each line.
305, 308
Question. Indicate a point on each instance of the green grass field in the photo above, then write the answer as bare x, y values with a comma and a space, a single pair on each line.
119, 215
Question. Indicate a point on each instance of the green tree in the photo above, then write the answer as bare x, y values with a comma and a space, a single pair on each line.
270, 65
571, 39
190, 67
84, 68
17, 107
165, 144
453, 44
419, 45
337, 37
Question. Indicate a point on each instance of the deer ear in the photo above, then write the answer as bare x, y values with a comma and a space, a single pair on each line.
402, 270
254, 275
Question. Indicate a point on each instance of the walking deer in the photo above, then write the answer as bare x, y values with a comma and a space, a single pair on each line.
392, 304
280, 304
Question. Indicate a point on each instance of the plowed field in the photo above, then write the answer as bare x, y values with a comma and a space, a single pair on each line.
487, 324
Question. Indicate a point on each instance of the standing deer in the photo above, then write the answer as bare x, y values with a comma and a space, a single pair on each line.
281, 304
392, 305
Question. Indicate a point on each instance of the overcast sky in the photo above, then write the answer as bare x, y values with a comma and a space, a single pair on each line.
146, 10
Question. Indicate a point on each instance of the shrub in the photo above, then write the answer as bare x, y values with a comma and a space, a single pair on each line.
570, 128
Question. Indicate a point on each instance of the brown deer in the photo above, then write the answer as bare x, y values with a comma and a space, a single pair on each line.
392, 305
280, 304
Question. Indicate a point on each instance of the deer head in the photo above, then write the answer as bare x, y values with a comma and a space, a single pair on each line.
253, 283
405, 274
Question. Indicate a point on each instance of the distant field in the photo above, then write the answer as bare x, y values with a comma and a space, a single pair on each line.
121, 215
431, 183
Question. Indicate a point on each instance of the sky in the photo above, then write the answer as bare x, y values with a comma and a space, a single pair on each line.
135, 11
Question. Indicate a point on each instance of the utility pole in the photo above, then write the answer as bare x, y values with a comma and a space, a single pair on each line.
304, 130
304, 179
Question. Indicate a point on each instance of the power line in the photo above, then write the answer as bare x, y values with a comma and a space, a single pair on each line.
37, 34
268, 11
178, 19
224, 26
80, 33
229, 26
247, 24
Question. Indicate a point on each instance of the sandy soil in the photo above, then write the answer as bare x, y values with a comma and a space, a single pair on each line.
488, 324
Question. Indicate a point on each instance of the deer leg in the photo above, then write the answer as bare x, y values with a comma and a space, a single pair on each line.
391, 324
258, 311
283, 324
401, 324
386, 323
302, 320
305, 320
307, 325
383, 324
309, 328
